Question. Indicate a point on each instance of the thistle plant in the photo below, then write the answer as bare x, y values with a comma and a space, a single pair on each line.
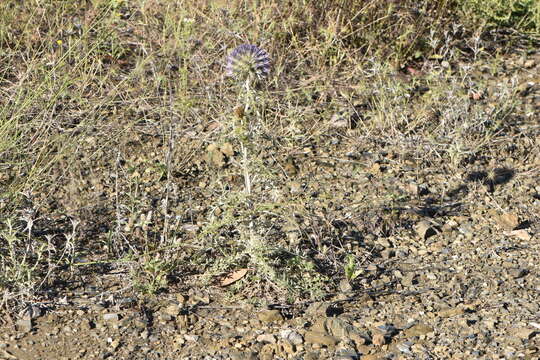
249, 65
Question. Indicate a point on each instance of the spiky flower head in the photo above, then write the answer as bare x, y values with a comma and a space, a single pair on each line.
248, 61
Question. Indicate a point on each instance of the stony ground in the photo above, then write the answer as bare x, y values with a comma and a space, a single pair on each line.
452, 272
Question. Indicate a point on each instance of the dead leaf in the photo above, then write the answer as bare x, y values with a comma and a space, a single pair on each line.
234, 277
239, 112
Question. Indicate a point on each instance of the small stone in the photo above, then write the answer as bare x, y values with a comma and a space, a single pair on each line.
425, 230
339, 121
446, 313
191, 338
388, 253
523, 333
518, 273
345, 285
115, 344
467, 230
267, 352
450, 225
508, 221
295, 187
24, 325
405, 347
520, 234
165, 317
288, 347
315, 337
266, 338
179, 341
318, 308
112, 317
292, 336
346, 354
418, 330
268, 316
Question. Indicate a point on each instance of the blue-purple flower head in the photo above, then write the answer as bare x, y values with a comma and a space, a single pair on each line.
248, 61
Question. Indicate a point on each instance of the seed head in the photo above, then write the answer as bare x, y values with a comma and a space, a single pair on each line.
247, 61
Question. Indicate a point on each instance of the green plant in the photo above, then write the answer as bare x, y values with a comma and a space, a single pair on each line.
350, 268
519, 14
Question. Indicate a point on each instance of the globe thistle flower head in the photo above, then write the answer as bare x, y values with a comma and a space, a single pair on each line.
248, 61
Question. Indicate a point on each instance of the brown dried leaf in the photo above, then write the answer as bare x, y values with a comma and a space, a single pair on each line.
234, 277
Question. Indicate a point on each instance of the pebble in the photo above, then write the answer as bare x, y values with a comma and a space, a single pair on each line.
425, 230
112, 317
418, 330
266, 338
268, 316
292, 336
405, 347
191, 338
315, 337
24, 325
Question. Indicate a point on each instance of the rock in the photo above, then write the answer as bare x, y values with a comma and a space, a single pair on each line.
517, 273
315, 337
295, 187
424, 229
191, 337
346, 354
523, 333
345, 285
111, 317
291, 336
172, 310
418, 330
520, 234
405, 347
450, 225
318, 308
24, 325
267, 352
268, 316
467, 230
266, 338
339, 121
446, 313
288, 348
388, 253
508, 221
528, 64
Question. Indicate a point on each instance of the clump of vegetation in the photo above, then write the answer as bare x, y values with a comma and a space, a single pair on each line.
521, 15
